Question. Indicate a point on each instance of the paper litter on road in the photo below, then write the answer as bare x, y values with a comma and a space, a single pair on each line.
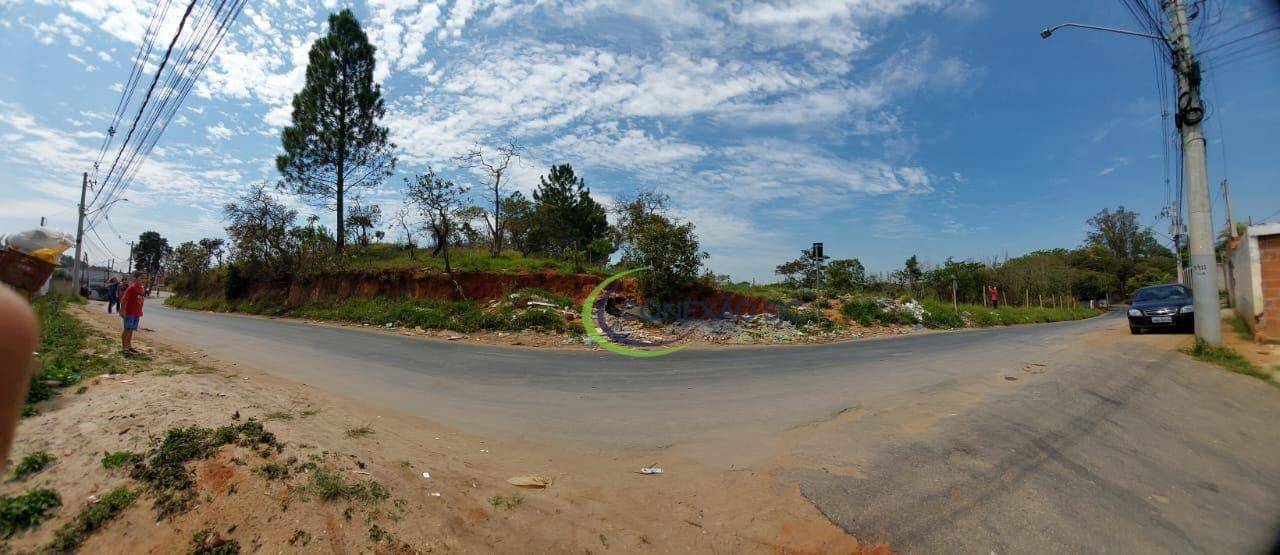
426, 474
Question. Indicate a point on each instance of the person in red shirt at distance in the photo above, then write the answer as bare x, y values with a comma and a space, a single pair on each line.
995, 297
131, 310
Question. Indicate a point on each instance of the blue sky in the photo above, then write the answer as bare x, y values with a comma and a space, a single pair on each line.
882, 128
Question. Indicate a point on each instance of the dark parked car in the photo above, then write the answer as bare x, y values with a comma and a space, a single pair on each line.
1162, 307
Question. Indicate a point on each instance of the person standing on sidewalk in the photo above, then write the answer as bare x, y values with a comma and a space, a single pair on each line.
131, 310
113, 294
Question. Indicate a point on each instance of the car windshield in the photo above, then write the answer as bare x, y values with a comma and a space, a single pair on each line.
1162, 293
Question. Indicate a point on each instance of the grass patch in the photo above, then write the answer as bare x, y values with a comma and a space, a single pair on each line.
332, 485
274, 470
165, 471
66, 354
31, 464
207, 542
27, 510
279, 415
1228, 358
72, 534
463, 259
120, 459
362, 431
515, 500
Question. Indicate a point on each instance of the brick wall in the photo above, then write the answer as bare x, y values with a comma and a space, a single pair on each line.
1269, 255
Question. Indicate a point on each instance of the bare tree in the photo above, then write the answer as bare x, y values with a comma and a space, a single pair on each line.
439, 201
494, 164
403, 219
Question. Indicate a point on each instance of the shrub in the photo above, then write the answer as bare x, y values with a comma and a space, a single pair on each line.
31, 464
235, 284
72, 534
863, 312
940, 316
542, 319
806, 295
27, 510
119, 459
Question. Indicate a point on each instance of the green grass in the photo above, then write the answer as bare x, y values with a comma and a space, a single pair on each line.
463, 316
119, 459
27, 510
332, 485
776, 292
31, 464
980, 316
463, 259
360, 431
1228, 358
65, 351
69, 537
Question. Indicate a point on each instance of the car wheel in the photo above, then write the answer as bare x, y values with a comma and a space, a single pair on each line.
1135, 331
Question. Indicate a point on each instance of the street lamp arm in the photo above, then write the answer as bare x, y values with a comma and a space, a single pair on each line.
1049, 31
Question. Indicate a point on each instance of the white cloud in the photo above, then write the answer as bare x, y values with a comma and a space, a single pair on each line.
218, 132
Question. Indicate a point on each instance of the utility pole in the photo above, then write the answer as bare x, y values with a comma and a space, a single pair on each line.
1204, 275
75, 270
1231, 218
42, 219
130, 264
1177, 243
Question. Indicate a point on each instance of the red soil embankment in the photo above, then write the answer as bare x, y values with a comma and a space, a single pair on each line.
485, 287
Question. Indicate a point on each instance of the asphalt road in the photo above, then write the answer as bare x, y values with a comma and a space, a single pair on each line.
1061, 437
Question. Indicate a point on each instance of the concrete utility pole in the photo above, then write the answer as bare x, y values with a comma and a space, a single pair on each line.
75, 269
1231, 218
1204, 274
130, 264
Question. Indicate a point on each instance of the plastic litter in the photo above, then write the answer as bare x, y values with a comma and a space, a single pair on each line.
652, 469
426, 474
530, 481
434, 494
41, 242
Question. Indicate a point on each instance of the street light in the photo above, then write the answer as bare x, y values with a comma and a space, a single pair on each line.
1049, 31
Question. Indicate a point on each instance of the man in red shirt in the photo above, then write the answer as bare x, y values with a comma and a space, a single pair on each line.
131, 309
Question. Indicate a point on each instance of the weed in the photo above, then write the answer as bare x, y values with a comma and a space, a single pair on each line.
604, 541
120, 459
509, 502
29, 410
206, 542
1229, 359
31, 464
404, 464
27, 510
274, 470
72, 534
310, 412
362, 431
166, 473
81, 390
331, 485
279, 415
300, 538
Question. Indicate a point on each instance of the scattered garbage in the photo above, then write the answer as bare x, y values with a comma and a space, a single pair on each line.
530, 481
651, 469
454, 337
426, 474
434, 494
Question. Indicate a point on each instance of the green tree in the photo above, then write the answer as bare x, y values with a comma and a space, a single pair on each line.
364, 218
796, 273
671, 253
518, 212
845, 275
565, 217
439, 201
212, 247
335, 145
910, 274
187, 265
258, 227
150, 252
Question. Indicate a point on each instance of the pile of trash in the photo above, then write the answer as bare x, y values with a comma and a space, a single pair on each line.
727, 328
911, 307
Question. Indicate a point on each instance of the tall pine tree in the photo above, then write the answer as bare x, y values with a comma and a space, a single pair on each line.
565, 216
335, 145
